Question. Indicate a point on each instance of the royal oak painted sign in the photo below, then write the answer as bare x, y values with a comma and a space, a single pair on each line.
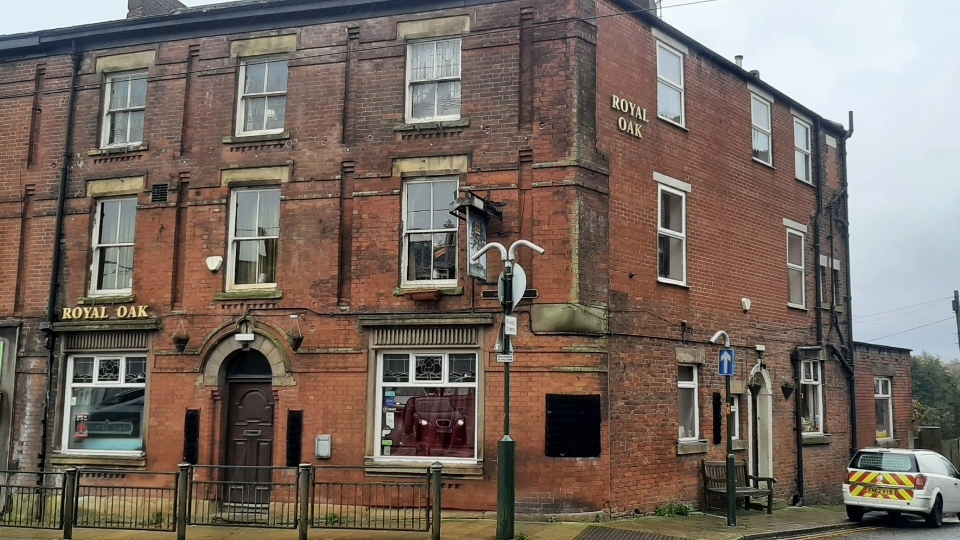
633, 123
102, 313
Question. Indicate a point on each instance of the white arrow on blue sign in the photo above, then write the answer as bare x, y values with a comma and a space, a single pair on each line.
727, 362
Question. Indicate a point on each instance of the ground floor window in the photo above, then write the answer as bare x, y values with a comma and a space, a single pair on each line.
811, 396
427, 405
689, 429
103, 406
735, 409
884, 402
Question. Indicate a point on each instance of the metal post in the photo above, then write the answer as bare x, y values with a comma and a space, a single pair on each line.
183, 491
69, 502
731, 465
304, 480
506, 451
956, 309
435, 478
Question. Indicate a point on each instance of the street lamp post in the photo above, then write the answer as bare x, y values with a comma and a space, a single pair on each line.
511, 292
731, 472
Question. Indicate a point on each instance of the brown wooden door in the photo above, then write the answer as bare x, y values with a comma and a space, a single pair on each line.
249, 443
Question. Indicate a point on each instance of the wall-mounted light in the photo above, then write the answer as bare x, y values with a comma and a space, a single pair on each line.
244, 335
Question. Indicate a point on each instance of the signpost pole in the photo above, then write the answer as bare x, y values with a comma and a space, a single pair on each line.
506, 452
731, 472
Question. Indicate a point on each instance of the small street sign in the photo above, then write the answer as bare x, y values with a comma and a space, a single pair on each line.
491, 294
727, 362
510, 325
505, 358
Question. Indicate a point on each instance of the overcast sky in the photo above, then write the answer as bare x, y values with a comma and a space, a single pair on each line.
896, 64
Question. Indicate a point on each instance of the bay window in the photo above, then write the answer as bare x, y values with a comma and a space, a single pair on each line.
104, 403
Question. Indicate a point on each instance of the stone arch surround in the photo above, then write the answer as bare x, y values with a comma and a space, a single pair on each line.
212, 370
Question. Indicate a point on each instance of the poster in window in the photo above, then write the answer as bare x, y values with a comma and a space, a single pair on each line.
476, 239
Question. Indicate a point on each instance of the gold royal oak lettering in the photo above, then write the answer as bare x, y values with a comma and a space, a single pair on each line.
635, 111
100, 313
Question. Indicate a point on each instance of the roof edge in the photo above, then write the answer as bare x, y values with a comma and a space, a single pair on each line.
864, 344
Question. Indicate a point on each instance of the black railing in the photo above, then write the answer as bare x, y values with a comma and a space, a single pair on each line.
243, 496
142, 501
345, 498
31, 499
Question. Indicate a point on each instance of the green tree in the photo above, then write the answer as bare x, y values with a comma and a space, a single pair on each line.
936, 391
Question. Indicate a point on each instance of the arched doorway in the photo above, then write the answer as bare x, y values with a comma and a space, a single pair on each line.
249, 431
761, 424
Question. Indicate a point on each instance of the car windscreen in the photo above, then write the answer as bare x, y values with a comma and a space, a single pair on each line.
885, 462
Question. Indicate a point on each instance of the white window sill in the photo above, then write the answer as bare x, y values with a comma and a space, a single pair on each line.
245, 294
764, 163
119, 149
99, 459
692, 446
427, 285
674, 124
266, 133
387, 466
797, 307
809, 183
814, 439
739, 444
675, 283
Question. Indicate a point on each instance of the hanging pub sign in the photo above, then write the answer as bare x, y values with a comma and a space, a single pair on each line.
636, 118
477, 212
102, 313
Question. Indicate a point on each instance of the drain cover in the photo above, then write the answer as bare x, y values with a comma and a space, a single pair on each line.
609, 533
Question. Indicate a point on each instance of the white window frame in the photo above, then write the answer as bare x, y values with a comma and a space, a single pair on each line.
831, 267
408, 106
404, 259
413, 383
736, 417
816, 382
232, 243
241, 103
695, 385
803, 149
68, 391
107, 111
879, 394
662, 231
681, 88
766, 130
801, 268
97, 246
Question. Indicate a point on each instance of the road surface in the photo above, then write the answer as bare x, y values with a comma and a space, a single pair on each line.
879, 526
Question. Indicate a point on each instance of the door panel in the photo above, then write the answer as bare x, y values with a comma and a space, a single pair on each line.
250, 434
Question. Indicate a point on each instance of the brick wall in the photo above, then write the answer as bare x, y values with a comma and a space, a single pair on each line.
897, 365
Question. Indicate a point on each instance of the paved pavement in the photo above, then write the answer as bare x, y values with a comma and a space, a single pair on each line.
753, 525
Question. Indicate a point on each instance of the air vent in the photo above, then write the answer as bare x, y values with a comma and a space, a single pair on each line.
160, 193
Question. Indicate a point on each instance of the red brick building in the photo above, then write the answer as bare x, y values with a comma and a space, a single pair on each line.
258, 255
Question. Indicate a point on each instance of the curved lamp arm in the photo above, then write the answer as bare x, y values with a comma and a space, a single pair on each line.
721, 334
513, 248
488, 247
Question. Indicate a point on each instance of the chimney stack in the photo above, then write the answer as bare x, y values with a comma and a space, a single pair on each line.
739, 60
150, 8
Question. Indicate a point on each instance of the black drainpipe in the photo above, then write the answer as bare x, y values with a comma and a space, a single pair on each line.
75, 58
851, 351
818, 173
795, 357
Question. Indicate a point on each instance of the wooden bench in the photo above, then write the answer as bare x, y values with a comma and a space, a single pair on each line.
715, 481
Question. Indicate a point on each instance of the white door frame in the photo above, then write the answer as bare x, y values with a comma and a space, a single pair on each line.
763, 425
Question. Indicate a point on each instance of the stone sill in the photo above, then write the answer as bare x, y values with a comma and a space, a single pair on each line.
108, 326
888, 443
77, 460
443, 291
422, 319
459, 470
119, 150
815, 440
826, 307
106, 300
672, 123
244, 139
692, 447
764, 163
251, 294
741, 445
429, 126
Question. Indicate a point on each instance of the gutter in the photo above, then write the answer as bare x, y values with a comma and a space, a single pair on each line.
851, 347
817, 232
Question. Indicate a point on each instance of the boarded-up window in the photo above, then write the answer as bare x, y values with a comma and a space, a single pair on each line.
294, 437
573, 426
191, 436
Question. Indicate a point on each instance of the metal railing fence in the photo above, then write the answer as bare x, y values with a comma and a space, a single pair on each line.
345, 498
144, 501
31, 499
243, 496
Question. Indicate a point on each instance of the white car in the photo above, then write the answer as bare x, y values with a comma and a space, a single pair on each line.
902, 481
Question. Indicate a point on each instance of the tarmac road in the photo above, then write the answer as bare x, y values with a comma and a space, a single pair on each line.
879, 526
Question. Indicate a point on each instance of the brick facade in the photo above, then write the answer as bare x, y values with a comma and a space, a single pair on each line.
539, 138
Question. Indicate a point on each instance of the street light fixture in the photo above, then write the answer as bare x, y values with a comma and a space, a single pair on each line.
731, 473
510, 294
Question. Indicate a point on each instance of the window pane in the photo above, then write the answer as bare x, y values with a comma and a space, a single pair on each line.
796, 287
421, 61
670, 257
444, 193
671, 211
135, 132
276, 112
795, 249
429, 422
124, 268
106, 419
448, 64
119, 93
686, 374
109, 264
128, 221
688, 413
269, 249
246, 213
138, 91
669, 66
396, 368
277, 76
108, 370
809, 400
136, 370
802, 164
801, 136
419, 257
448, 98
445, 255
808, 371
83, 370
255, 113
245, 264
424, 98
109, 221
119, 125
884, 429
761, 146
429, 368
255, 75
269, 215
418, 196
669, 103
463, 368
761, 114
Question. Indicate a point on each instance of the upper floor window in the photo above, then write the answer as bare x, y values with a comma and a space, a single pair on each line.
884, 402
687, 383
430, 232
762, 129
262, 102
811, 396
254, 238
672, 236
123, 111
801, 141
433, 81
113, 236
670, 94
795, 269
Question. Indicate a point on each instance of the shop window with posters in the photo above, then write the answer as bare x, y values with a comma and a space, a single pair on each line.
104, 404
427, 405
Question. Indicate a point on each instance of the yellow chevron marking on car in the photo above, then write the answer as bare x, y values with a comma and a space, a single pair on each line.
872, 492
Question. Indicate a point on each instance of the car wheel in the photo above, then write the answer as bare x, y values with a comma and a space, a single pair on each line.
935, 517
855, 513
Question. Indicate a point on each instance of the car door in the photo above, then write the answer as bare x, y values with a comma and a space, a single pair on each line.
951, 498
937, 478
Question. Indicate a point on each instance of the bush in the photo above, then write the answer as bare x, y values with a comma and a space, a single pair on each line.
674, 509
